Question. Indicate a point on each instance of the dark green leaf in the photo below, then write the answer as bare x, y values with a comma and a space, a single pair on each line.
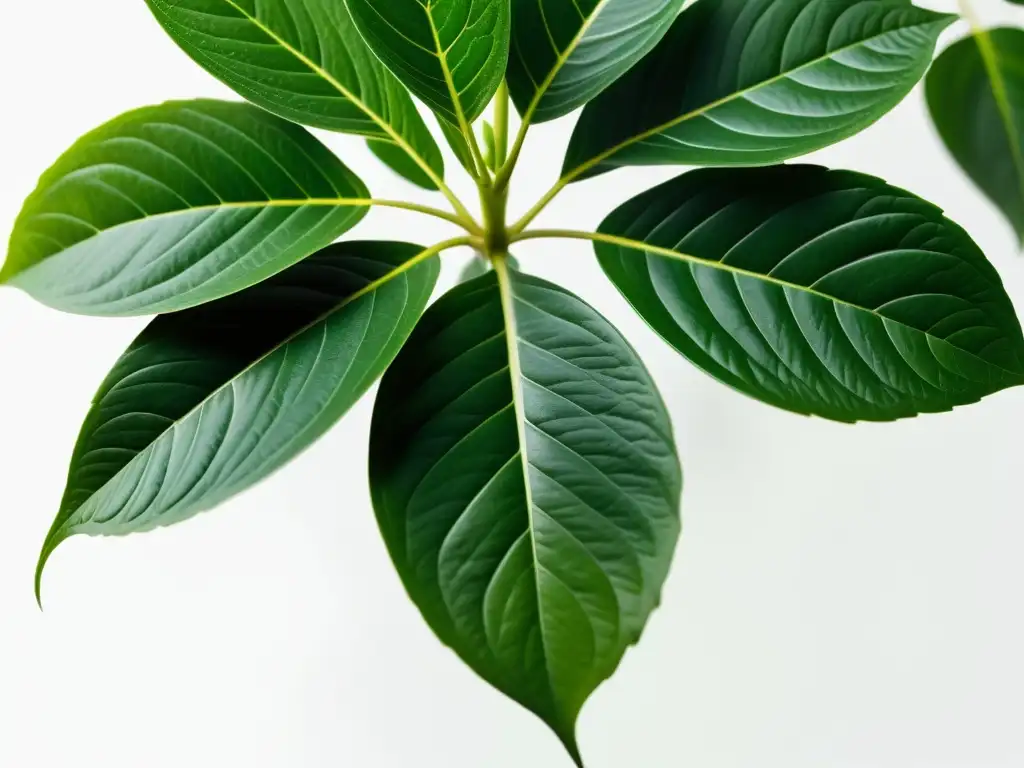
525, 480
753, 82
398, 160
823, 292
209, 401
976, 95
171, 206
303, 60
450, 53
565, 52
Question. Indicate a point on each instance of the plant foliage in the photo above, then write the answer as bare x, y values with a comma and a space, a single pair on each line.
523, 467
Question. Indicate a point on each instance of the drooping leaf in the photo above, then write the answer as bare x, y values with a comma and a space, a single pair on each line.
171, 206
209, 401
450, 53
398, 160
975, 93
823, 292
565, 52
305, 61
525, 480
753, 82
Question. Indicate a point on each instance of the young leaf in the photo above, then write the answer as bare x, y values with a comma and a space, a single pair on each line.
822, 292
209, 401
490, 147
305, 61
526, 483
975, 93
753, 82
450, 53
171, 206
565, 52
458, 144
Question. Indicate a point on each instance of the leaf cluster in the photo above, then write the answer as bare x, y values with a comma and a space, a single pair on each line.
523, 468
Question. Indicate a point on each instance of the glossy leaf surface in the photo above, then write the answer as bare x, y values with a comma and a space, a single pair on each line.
525, 480
171, 206
395, 158
303, 60
976, 96
565, 52
209, 401
754, 82
450, 53
823, 292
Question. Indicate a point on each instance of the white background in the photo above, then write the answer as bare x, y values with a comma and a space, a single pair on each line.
842, 597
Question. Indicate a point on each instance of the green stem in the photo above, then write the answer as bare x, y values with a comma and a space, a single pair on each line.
467, 224
543, 203
501, 125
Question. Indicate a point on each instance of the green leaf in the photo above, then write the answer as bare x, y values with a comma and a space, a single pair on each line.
753, 82
490, 148
526, 483
976, 96
565, 52
450, 53
822, 292
209, 401
171, 206
303, 60
398, 160
479, 265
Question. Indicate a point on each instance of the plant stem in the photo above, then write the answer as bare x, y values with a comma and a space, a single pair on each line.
465, 222
494, 203
543, 203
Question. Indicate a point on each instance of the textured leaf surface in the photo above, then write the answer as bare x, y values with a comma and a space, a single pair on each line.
753, 82
208, 401
565, 52
167, 207
303, 60
450, 53
976, 97
824, 292
525, 480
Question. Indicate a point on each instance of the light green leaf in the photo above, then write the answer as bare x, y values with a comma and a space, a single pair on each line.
450, 53
823, 292
490, 148
525, 480
565, 52
754, 82
305, 61
479, 265
976, 96
171, 206
209, 401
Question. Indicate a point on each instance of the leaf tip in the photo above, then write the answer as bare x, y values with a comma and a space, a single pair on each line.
51, 543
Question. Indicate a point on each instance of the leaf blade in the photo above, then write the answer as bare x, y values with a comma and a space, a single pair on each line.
774, 79
975, 93
450, 53
501, 503
564, 53
302, 60
822, 292
170, 206
209, 401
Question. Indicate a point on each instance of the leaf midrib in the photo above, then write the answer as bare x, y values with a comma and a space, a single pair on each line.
625, 242
515, 370
600, 158
384, 125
